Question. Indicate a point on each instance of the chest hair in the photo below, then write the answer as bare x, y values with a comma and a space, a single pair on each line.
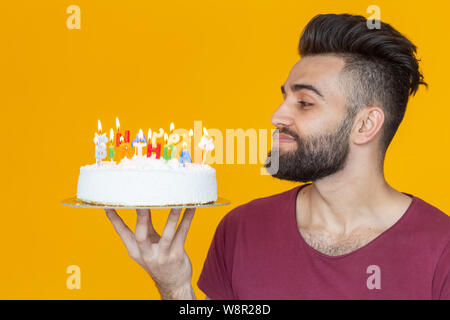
335, 246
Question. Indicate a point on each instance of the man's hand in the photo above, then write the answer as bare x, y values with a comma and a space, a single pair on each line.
163, 257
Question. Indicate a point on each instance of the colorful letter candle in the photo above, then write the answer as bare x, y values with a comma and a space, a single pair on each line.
100, 141
111, 145
166, 155
127, 136
125, 149
139, 142
154, 147
100, 150
156, 150
185, 155
118, 135
157, 135
206, 144
172, 139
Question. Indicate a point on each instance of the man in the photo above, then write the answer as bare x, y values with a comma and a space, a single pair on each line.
346, 235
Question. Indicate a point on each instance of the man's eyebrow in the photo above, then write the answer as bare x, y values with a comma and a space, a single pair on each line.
299, 86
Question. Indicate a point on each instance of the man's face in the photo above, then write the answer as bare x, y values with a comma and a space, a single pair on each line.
313, 121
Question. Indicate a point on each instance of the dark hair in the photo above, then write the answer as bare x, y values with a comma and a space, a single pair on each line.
380, 64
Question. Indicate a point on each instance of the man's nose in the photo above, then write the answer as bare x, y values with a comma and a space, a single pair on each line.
282, 117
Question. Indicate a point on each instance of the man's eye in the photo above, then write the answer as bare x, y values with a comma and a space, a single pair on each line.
305, 104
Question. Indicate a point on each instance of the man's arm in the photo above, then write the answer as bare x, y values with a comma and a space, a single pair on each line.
441, 279
215, 278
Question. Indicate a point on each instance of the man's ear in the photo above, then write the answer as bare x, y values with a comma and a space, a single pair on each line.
369, 123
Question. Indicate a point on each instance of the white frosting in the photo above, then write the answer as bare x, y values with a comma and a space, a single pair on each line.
147, 181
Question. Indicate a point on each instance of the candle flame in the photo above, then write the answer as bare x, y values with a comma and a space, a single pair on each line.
121, 139
191, 133
99, 127
204, 131
141, 134
117, 124
172, 127
111, 135
165, 137
149, 135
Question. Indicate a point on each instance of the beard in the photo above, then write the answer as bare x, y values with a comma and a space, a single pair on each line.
316, 157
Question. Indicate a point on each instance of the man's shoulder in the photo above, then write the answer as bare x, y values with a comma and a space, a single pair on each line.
262, 208
431, 220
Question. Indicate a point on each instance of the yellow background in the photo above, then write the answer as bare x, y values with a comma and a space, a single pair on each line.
150, 63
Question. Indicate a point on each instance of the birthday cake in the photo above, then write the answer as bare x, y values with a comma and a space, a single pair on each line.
143, 173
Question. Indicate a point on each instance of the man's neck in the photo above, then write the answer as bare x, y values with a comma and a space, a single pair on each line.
349, 200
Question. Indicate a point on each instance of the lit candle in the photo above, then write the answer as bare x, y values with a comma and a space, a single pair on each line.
154, 147
166, 156
173, 137
185, 156
157, 135
118, 135
100, 141
206, 144
111, 145
139, 142
149, 141
149, 136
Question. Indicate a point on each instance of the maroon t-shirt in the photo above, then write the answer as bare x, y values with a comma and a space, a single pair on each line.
258, 253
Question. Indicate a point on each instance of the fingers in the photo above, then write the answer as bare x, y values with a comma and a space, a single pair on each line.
142, 225
169, 230
183, 228
121, 228
145, 233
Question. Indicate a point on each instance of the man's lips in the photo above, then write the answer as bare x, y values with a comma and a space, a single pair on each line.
284, 138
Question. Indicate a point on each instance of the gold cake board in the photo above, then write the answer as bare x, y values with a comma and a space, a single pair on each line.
77, 203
